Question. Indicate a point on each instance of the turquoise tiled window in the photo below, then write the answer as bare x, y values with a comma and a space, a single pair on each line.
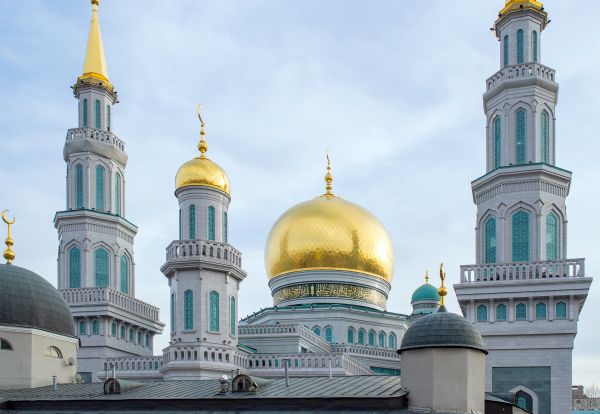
113, 329
74, 267
371, 338
98, 125
551, 237
214, 311
232, 313
490, 240
139, 338
147, 340
224, 227
329, 334
521, 311
124, 274
85, 113
497, 142
108, 117
545, 135
392, 341
118, 194
179, 224
506, 50
131, 335
561, 310
316, 330
96, 327
535, 46
192, 229
482, 313
188, 309
524, 401
350, 335
501, 312
172, 312
381, 340
361, 336
79, 186
122, 336
211, 223
101, 267
520, 236
521, 134
540, 311
520, 47
100, 188
82, 327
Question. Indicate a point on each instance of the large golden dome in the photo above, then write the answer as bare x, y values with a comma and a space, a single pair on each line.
329, 233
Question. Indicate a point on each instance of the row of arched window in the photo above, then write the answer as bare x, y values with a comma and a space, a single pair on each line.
521, 48
100, 174
560, 311
210, 219
97, 117
213, 310
521, 237
361, 337
101, 269
121, 332
521, 138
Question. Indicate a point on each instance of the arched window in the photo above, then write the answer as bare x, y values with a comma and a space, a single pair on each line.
506, 49
316, 330
361, 336
482, 313
100, 188
74, 267
232, 313
497, 142
490, 240
520, 47
147, 341
192, 229
98, 114
85, 113
54, 352
371, 338
392, 341
108, 117
118, 194
179, 224
113, 329
123, 331
211, 223
101, 267
214, 311
521, 134
524, 401
534, 41
521, 311
351, 335
79, 186
381, 340
540, 311
224, 227
551, 237
501, 312
329, 334
95, 327
545, 135
172, 312
139, 337
188, 309
131, 335
561, 310
82, 327
5, 345
124, 274
520, 236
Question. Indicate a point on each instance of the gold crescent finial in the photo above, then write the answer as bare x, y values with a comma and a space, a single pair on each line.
202, 146
9, 254
328, 177
427, 276
442, 291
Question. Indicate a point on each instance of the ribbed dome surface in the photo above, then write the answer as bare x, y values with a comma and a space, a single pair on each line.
202, 172
28, 300
425, 292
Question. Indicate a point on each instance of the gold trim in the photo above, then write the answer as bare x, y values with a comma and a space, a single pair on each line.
330, 290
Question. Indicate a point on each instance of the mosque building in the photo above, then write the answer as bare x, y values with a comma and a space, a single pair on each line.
329, 264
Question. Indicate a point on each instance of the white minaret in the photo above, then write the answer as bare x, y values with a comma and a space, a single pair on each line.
204, 272
524, 294
96, 267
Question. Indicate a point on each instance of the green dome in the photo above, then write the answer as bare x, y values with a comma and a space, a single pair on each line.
425, 292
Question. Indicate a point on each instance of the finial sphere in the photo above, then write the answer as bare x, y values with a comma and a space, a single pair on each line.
95, 2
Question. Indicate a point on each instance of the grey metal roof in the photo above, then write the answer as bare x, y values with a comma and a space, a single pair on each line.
29, 300
442, 329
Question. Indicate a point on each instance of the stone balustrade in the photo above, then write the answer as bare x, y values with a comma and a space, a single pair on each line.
110, 296
283, 329
365, 350
204, 248
552, 269
303, 361
77, 134
152, 363
527, 70
204, 352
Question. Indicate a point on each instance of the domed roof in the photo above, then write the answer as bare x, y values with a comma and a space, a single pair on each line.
28, 300
442, 329
425, 292
202, 172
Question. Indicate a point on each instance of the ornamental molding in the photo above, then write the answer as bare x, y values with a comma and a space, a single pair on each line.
330, 290
518, 186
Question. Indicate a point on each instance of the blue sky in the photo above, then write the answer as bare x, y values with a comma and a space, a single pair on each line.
392, 88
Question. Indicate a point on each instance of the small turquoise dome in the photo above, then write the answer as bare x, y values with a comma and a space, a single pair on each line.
425, 292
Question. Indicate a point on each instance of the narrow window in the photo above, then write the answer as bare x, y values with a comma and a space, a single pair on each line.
192, 229
381, 340
520, 236
361, 336
124, 274
497, 142
97, 114
224, 227
85, 113
123, 332
118, 194
214, 311
540, 311
82, 327
108, 117
5, 345
535, 46
520, 51
172, 312
232, 313
551, 237
506, 49
521, 312
211, 223
490, 240
501, 312
96, 327
79, 185
316, 330
329, 334
74, 267
180, 224
392, 341
100, 188
113, 329
482, 313
544, 132
350, 335
561, 310
147, 340
188, 310
131, 335
101, 267
521, 136
371, 338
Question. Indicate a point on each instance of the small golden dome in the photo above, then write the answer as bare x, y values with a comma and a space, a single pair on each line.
329, 233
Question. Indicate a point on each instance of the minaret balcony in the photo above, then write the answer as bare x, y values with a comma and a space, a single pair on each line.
523, 271
94, 140
518, 74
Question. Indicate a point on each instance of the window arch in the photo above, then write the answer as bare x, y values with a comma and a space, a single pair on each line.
101, 267
521, 312
561, 310
123, 332
501, 312
113, 329
540, 311
124, 274
172, 312
139, 338
524, 401
74, 267
351, 333
211, 223
329, 334
82, 327
545, 136
534, 42
95, 327
490, 240
392, 341
108, 117
521, 135
54, 352
224, 227
482, 313
214, 311
232, 313
520, 236
192, 223
100, 188
506, 49
188, 309
79, 186
147, 340
361, 336
131, 335
85, 113
551, 237
520, 47
381, 340
371, 338
98, 126
5, 345
497, 142
118, 194
316, 330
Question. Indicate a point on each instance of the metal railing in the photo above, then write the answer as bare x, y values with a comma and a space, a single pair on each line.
551, 269
204, 248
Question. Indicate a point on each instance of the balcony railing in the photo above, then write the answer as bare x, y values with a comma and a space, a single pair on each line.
204, 248
283, 330
152, 363
528, 70
110, 296
93, 134
312, 361
365, 350
553, 269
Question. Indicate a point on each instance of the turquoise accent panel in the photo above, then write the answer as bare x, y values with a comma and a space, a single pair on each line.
113, 329
385, 371
192, 229
497, 142
214, 311
520, 47
501, 312
225, 227
425, 292
520, 236
147, 340
179, 224
211, 223
139, 337
506, 49
124, 274
371, 338
82, 327
172, 312
551, 237
96, 327
108, 117
232, 313
85, 113
100, 188
79, 186
392, 341
316, 330
482, 313
361, 336
350, 335
98, 124
122, 336
381, 340
329, 334
101, 267
561, 310
490, 240
537, 379
524, 401
131, 335
74, 267
540, 311
544, 132
521, 134
118, 194
188, 310
535, 46
521, 312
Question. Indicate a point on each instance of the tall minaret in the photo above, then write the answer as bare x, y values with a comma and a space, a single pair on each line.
96, 267
524, 294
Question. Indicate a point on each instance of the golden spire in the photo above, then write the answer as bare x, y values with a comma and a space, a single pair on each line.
202, 146
442, 291
94, 66
427, 276
328, 179
512, 6
9, 254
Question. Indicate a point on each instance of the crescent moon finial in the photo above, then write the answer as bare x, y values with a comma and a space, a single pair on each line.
6, 220
9, 254
202, 146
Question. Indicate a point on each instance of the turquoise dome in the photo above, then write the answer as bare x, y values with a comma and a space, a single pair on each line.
425, 292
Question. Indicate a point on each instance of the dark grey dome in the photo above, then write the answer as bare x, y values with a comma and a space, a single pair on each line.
442, 329
28, 300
